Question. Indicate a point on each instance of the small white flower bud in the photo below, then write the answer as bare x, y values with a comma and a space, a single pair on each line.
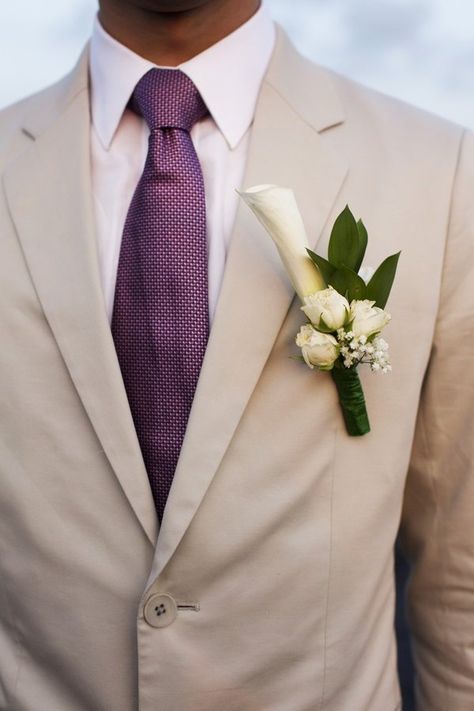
328, 305
318, 349
367, 319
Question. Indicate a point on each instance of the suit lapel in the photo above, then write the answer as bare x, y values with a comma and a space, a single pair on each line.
287, 149
49, 193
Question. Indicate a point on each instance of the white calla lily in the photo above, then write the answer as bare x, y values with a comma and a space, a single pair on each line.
278, 212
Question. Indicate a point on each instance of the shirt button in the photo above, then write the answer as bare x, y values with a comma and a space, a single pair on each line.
160, 610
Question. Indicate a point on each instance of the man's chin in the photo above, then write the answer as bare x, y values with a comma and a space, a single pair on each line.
168, 6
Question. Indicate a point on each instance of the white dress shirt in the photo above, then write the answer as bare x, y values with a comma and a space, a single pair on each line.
228, 76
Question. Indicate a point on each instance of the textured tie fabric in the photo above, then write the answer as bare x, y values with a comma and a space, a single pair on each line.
160, 321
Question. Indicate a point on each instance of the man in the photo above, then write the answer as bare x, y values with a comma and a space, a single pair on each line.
148, 381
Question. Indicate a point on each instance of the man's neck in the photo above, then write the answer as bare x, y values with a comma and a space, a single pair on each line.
170, 38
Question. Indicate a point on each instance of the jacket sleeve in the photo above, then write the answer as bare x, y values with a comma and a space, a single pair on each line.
437, 528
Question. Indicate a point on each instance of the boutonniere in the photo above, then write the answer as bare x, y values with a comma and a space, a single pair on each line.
343, 301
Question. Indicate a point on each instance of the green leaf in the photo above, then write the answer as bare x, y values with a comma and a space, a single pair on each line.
326, 269
378, 288
323, 327
325, 368
363, 239
349, 284
344, 241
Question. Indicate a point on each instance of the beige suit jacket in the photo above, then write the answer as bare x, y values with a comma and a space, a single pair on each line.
273, 566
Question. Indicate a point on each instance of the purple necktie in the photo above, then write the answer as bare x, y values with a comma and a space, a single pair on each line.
160, 321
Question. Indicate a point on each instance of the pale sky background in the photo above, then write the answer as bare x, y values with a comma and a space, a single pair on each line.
421, 51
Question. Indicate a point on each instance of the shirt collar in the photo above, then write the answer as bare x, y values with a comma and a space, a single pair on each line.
228, 76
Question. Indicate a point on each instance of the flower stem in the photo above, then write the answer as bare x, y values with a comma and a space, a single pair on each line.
351, 397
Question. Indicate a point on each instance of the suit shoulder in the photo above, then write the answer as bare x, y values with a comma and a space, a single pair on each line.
374, 122
14, 117
376, 109
38, 108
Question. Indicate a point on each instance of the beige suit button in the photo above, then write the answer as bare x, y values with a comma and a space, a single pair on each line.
160, 610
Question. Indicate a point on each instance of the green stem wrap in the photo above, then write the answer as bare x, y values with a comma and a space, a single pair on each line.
351, 397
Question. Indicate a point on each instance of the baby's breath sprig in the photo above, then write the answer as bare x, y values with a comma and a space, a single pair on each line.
360, 349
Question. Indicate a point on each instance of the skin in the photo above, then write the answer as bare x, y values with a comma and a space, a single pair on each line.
169, 32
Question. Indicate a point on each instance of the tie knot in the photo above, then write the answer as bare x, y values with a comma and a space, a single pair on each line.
167, 98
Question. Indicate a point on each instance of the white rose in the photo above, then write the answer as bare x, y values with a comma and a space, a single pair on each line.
318, 349
366, 273
278, 212
329, 305
367, 318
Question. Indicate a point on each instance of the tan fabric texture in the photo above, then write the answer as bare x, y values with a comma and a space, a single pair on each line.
279, 528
